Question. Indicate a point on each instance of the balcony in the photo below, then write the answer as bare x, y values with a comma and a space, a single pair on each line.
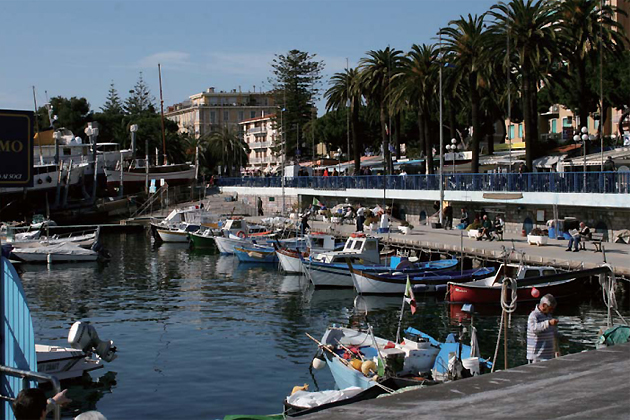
257, 130
259, 144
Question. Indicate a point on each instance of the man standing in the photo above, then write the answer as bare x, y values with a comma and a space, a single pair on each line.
448, 217
259, 204
542, 331
360, 218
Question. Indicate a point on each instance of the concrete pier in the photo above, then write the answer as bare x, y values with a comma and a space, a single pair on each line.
588, 385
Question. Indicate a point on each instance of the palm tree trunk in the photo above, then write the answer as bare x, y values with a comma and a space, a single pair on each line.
474, 111
530, 117
397, 125
581, 87
384, 128
421, 138
354, 127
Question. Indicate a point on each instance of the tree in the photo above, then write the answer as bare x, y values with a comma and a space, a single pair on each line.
532, 28
346, 89
467, 45
377, 70
73, 114
140, 100
415, 88
296, 80
227, 149
588, 32
112, 102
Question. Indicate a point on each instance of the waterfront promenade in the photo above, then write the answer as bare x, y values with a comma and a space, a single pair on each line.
587, 385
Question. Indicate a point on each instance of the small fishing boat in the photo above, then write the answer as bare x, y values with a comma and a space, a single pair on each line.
178, 233
202, 238
316, 243
489, 290
237, 232
83, 239
370, 282
135, 176
253, 253
62, 252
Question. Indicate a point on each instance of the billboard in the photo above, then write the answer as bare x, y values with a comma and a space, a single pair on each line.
16, 148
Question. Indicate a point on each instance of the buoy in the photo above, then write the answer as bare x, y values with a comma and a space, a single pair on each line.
318, 363
241, 234
368, 367
356, 363
535, 292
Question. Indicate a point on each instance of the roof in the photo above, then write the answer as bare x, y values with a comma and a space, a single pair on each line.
266, 117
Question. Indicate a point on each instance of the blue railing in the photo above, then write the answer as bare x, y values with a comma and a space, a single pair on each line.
554, 182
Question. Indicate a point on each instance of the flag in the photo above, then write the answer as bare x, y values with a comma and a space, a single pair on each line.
409, 297
316, 202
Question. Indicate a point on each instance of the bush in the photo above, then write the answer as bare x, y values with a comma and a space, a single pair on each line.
536, 232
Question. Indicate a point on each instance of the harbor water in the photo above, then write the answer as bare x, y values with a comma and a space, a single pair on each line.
201, 336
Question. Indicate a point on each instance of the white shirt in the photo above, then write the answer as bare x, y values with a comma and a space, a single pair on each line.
361, 211
384, 221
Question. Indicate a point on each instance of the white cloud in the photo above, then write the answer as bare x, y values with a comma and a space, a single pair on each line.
177, 60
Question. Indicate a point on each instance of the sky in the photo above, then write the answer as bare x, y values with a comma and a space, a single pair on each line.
78, 48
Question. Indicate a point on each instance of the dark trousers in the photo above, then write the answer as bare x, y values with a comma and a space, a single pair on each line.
360, 223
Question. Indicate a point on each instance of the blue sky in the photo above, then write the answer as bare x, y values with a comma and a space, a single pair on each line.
77, 48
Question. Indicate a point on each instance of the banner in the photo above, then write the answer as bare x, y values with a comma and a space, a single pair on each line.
16, 148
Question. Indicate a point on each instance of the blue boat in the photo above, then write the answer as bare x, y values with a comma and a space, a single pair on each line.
252, 253
369, 282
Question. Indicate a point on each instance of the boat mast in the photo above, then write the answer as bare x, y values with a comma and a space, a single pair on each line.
162, 114
39, 139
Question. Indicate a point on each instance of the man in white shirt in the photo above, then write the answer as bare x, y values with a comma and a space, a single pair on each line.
360, 218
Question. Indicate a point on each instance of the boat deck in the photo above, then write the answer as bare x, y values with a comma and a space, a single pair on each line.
587, 385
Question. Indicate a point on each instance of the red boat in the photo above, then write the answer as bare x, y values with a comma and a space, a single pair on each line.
544, 279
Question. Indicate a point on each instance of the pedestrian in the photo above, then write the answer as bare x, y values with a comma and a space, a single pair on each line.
259, 205
304, 221
542, 331
463, 219
360, 217
448, 217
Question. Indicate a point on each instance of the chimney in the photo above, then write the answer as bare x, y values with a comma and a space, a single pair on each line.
210, 90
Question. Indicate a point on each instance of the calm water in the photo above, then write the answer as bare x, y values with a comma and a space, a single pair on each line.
201, 336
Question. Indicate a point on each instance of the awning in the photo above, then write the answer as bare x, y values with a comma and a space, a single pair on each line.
547, 162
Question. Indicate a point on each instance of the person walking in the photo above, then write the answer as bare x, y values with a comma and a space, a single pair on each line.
360, 217
259, 204
448, 217
542, 331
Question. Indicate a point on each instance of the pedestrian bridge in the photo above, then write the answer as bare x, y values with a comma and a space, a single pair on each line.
590, 189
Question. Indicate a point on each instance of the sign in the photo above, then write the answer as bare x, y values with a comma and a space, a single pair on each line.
16, 148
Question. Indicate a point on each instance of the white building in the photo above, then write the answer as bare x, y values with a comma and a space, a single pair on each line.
261, 136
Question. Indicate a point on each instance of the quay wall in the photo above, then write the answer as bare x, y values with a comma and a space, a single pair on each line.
604, 213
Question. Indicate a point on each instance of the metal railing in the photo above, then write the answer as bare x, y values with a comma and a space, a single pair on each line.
536, 182
26, 377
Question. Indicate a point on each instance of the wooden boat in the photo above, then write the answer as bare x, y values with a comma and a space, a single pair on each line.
252, 253
367, 282
135, 177
316, 243
63, 252
544, 279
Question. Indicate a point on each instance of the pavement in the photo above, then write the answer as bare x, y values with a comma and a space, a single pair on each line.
588, 385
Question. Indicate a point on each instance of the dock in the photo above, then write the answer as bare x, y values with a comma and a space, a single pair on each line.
587, 385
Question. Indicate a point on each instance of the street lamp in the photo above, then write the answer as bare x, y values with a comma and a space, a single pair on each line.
453, 148
583, 138
339, 160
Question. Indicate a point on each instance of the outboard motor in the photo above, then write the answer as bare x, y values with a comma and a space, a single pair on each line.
84, 337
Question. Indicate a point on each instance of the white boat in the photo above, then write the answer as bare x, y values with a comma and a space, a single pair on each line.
84, 240
237, 232
46, 178
177, 234
87, 353
63, 252
316, 243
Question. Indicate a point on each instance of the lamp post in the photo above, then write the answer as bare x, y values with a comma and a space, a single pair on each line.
339, 161
441, 138
583, 138
453, 148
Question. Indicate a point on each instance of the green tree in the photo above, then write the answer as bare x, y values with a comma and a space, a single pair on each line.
140, 100
346, 89
415, 89
112, 105
296, 80
377, 70
466, 42
588, 31
73, 114
227, 149
532, 29
111, 118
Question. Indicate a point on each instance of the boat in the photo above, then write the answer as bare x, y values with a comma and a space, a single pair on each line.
236, 232
135, 177
87, 353
370, 282
253, 253
192, 215
83, 239
202, 238
179, 233
62, 252
489, 290
316, 243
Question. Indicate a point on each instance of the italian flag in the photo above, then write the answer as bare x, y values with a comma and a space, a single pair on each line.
409, 297
316, 202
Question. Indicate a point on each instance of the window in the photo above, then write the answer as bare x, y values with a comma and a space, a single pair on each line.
554, 126
520, 130
252, 114
511, 131
226, 115
532, 273
241, 115
213, 117
567, 122
596, 124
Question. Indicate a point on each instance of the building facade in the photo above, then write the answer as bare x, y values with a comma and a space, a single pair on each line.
206, 112
261, 136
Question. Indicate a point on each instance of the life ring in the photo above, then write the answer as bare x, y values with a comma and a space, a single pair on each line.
241, 234
357, 235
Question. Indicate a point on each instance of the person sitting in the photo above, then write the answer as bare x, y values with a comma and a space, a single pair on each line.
463, 219
486, 228
475, 225
578, 236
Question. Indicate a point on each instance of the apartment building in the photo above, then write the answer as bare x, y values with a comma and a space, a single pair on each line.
260, 135
208, 111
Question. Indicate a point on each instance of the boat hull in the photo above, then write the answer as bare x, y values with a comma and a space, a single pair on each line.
255, 255
64, 362
470, 293
290, 261
202, 241
172, 235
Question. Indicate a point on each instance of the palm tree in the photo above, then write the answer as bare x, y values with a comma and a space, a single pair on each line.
346, 88
588, 31
466, 42
227, 148
376, 72
532, 29
415, 88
